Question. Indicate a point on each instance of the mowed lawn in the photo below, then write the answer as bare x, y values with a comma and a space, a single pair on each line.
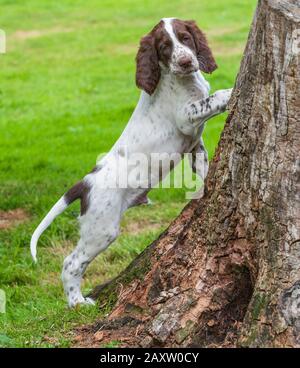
67, 89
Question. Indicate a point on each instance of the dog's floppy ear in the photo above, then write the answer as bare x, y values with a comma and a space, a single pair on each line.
205, 57
147, 67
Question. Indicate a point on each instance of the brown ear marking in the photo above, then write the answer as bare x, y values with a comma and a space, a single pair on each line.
147, 67
205, 57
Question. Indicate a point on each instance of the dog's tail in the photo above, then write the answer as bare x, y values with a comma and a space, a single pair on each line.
79, 190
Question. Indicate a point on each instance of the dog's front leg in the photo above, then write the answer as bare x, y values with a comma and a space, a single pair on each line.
200, 111
191, 121
194, 114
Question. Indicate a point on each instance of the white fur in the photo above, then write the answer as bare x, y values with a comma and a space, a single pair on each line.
56, 210
171, 120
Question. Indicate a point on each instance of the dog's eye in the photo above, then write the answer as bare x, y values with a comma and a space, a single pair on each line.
186, 39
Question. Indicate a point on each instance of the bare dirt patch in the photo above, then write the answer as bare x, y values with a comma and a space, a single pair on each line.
94, 337
141, 226
221, 31
123, 49
22, 35
61, 248
227, 50
12, 218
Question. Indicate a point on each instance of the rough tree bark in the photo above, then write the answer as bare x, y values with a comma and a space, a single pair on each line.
227, 271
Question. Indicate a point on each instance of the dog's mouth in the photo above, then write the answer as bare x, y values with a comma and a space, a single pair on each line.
185, 72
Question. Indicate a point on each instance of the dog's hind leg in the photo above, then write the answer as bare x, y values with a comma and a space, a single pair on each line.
199, 160
97, 231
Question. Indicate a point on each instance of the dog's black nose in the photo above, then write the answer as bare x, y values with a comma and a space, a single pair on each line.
185, 62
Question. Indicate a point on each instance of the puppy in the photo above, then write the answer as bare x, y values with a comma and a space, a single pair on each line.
169, 118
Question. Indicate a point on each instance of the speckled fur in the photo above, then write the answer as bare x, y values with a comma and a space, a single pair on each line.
169, 120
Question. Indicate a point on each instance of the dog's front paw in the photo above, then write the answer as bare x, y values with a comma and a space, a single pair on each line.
224, 97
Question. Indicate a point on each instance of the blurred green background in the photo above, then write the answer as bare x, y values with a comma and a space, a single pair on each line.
67, 89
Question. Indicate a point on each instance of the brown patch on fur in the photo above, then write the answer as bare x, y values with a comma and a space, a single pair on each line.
204, 54
80, 190
155, 46
164, 45
12, 218
183, 34
141, 199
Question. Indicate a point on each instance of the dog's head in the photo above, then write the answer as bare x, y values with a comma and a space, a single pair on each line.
180, 46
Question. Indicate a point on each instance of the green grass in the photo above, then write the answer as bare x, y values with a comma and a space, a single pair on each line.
66, 92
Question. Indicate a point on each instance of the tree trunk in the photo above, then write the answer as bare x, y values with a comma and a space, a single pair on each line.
227, 271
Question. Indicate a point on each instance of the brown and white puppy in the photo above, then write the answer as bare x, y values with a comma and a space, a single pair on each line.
168, 119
